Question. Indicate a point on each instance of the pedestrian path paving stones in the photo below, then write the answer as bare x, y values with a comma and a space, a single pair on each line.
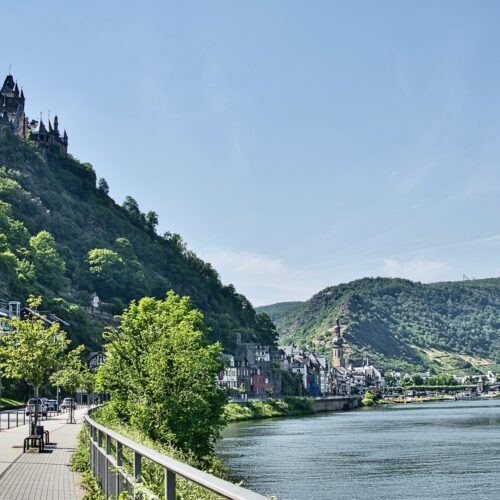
40, 476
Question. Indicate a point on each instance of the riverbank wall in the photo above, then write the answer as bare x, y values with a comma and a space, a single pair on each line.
336, 403
288, 407
270, 408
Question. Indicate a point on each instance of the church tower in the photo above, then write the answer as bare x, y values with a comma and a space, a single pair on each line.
338, 360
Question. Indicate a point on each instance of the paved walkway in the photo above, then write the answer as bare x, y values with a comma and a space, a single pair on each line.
40, 476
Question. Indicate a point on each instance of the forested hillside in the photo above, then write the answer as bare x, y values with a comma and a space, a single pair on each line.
63, 237
451, 326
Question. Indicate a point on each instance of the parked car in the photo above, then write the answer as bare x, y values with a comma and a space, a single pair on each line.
67, 403
32, 402
52, 405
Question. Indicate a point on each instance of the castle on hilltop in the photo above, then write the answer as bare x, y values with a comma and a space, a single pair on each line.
13, 117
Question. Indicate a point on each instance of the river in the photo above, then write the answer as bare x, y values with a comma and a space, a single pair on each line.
415, 451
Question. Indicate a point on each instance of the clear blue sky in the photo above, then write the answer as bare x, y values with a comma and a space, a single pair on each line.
292, 144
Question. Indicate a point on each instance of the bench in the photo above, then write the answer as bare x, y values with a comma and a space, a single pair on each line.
33, 441
37, 440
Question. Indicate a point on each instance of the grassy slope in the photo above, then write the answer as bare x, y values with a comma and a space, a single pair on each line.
255, 410
397, 323
8, 403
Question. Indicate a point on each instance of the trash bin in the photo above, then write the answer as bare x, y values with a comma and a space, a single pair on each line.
39, 430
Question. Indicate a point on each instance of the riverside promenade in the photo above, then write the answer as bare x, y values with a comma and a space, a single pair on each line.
40, 476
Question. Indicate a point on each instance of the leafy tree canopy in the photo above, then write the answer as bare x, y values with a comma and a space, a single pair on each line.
31, 350
74, 373
103, 186
161, 374
50, 267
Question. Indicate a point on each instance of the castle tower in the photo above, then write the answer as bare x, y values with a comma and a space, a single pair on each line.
11, 97
338, 360
13, 117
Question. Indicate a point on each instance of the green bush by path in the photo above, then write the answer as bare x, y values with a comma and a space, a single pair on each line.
152, 475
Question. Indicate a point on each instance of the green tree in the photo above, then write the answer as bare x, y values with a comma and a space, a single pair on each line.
73, 374
161, 374
14, 234
103, 185
31, 350
132, 208
108, 269
389, 378
266, 330
134, 278
151, 221
49, 265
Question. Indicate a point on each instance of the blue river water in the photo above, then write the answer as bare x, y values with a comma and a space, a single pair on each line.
415, 451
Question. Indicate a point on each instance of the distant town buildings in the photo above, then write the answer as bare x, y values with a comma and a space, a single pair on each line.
14, 118
258, 371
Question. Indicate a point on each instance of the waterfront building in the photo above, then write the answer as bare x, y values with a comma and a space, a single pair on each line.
236, 376
367, 375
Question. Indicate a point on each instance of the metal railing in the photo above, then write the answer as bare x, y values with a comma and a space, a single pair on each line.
15, 418
107, 464
12, 418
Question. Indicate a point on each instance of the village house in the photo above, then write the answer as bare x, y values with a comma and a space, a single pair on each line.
255, 371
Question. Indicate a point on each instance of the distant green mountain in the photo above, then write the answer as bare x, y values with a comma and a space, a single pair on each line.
64, 238
280, 310
396, 323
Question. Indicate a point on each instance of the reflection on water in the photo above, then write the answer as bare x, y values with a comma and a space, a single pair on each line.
427, 451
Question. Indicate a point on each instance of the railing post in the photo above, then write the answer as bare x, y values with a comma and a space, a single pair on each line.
119, 463
169, 485
137, 470
108, 471
91, 445
99, 456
